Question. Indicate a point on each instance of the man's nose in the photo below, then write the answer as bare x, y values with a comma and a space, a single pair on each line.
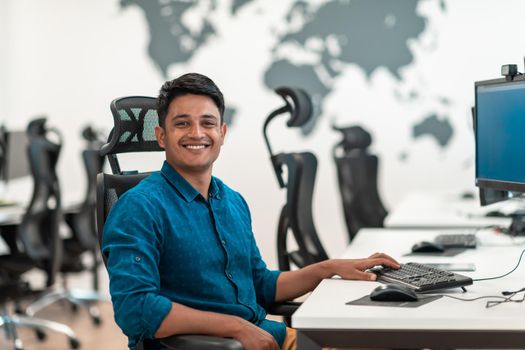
196, 130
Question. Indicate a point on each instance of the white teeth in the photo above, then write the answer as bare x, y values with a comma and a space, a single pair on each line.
195, 146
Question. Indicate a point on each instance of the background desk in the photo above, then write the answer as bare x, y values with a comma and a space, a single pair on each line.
325, 320
13, 214
422, 210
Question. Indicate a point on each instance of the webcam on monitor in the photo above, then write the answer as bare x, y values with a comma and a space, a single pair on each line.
509, 71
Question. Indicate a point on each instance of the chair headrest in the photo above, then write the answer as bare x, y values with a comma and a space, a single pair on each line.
299, 104
354, 137
36, 127
135, 119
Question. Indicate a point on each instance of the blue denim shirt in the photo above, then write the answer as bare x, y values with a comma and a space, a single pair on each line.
165, 242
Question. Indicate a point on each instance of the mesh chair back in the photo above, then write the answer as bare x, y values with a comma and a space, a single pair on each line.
357, 173
38, 230
109, 189
296, 214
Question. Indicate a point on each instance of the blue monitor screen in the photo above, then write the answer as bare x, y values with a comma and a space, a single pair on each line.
500, 135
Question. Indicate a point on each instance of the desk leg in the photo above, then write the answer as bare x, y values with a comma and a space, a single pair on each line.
305, 343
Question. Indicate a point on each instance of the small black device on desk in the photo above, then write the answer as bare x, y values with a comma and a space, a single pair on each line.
421, 278
427, 247
393, 292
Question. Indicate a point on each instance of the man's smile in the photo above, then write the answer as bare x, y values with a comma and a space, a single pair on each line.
199, 146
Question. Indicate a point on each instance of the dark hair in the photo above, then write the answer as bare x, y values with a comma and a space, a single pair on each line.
191, 83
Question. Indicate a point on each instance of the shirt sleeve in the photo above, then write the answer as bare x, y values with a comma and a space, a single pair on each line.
132, 242
264, 279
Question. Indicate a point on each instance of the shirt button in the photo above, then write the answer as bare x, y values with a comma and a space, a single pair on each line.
137, 258
229, 275
223, 242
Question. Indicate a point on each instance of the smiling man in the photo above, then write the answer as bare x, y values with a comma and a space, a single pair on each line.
182, 258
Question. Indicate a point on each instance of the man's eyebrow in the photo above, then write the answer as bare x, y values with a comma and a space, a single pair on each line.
187, 116
180, 116
209, 116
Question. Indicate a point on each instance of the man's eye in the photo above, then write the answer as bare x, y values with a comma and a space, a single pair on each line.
209, 123
181, 124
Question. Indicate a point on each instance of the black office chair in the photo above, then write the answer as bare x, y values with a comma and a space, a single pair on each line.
135, 120
296, 215
357, 176
83, 239
35, 242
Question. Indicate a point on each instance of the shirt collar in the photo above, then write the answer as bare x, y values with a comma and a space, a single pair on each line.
187, 191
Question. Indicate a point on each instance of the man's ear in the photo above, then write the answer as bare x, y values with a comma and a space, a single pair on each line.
224, 130
160, 133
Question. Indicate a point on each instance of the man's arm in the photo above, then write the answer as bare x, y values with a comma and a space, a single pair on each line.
185, 320
292, 284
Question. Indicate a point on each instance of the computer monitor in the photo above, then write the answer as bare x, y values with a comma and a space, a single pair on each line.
500, 134
488, 196
14, 156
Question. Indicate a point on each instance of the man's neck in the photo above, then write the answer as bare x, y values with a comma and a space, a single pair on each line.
199, 180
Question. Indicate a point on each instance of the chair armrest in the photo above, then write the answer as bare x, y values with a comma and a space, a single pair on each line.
285, 308
200, 342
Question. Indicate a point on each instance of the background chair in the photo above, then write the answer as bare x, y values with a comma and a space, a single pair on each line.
357, 176
296, 214
35, 242
135, 119
81, 221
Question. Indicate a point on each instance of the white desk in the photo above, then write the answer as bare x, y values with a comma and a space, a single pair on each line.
12, 215
325, 320
421, 210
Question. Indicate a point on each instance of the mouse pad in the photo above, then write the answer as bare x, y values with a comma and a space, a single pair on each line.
448, 252
366, 301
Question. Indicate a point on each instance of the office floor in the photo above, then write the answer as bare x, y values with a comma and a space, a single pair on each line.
105, 336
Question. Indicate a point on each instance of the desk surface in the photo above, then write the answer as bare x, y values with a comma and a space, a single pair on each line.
324, 319
427, 210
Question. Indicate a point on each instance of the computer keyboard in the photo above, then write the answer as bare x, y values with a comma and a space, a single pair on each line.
457, 240
421, 278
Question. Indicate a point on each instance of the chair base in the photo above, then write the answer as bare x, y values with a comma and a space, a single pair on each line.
78, 298
10, 323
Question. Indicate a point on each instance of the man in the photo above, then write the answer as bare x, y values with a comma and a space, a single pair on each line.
182, 258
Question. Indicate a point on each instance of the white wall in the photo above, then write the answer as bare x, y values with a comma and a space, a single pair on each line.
68, 59
3, 58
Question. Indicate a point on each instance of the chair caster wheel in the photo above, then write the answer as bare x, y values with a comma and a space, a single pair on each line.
18, 345
41, 335
74, 344
74, 308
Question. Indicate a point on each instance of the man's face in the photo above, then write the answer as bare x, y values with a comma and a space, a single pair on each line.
192, 135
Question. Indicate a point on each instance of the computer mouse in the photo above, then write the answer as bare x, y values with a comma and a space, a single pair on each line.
427, 247
495, 214
393, 292
467, 195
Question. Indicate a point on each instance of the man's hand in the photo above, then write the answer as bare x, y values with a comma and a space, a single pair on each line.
254, 338
355, 269
292, 284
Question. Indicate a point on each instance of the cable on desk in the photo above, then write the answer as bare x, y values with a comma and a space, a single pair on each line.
505, 274
491, 303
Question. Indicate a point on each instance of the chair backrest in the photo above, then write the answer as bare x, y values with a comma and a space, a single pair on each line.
357, 173
83, 222
135, 119
109, 189
296, 214
38, 230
